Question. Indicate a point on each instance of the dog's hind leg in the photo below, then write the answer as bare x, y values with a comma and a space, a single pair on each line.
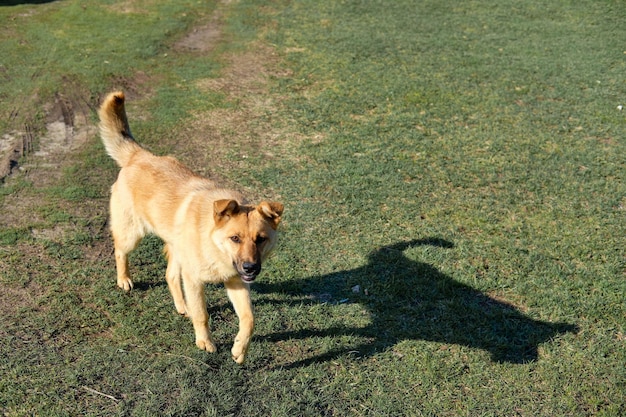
123, 246
239, 294
126, 235
172, 276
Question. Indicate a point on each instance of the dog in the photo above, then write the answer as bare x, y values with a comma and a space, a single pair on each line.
211, 234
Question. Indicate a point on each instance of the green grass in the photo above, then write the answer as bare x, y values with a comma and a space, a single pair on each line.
461, 162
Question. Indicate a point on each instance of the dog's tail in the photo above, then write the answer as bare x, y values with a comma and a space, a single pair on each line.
114, 130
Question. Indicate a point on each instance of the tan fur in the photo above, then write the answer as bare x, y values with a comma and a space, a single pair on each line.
211, 235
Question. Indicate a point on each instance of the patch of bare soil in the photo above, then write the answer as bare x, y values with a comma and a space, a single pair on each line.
215, 141
13, 146
38, 154
220, 139
203, 38
67, 127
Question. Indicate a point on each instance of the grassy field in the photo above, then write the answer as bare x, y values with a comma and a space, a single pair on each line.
455, 225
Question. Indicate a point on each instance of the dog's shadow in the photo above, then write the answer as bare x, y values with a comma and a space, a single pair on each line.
409, 300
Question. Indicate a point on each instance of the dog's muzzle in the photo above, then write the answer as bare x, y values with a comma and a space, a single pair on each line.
248, 271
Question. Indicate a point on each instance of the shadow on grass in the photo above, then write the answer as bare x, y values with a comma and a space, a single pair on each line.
411, 300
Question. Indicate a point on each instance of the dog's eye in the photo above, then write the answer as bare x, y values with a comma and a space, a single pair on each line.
260, 239
235, 239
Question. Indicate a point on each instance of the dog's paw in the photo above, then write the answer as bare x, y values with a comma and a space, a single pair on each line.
182, 309
239, 351
125, 283
239, 359
206, 345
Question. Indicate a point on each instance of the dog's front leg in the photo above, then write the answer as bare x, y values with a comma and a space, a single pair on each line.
196, 310
172, 276
239, 294
123, 277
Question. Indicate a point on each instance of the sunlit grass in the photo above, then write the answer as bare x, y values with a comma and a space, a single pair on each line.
453, 241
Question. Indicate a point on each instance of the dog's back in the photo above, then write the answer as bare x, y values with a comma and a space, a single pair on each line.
148, 187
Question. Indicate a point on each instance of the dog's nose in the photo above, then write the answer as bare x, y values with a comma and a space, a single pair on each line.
250, 268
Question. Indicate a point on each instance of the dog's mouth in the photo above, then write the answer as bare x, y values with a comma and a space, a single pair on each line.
248, 271
247, 278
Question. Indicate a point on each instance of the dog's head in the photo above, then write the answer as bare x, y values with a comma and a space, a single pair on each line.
245, 233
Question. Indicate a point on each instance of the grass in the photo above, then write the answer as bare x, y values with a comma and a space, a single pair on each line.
453, 243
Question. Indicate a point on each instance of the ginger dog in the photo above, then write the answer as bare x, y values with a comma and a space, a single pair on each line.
211, 234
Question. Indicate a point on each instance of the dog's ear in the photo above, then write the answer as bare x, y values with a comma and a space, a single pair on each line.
271, 211
224, 208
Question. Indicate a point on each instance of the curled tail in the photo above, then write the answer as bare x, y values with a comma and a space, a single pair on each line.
114, 130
